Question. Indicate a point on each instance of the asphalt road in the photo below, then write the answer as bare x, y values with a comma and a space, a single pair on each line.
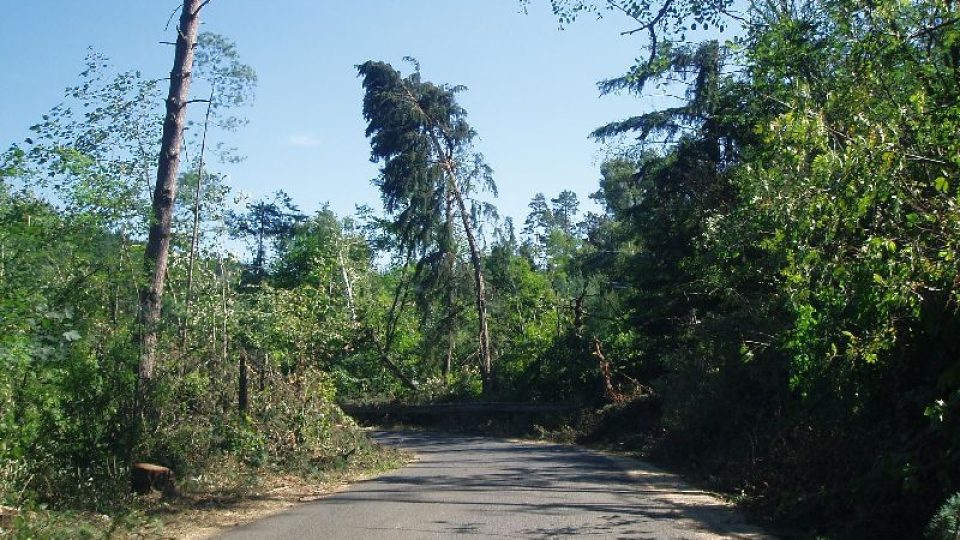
492, 488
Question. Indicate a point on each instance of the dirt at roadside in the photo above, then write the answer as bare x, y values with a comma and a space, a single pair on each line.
196, 516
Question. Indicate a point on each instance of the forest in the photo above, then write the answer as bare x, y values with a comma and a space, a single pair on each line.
767, 301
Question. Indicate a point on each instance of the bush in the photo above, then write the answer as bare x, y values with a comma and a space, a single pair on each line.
945, 524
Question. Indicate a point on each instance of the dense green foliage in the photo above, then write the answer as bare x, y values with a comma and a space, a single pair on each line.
768, 298
776, 264
244, 374
789, 235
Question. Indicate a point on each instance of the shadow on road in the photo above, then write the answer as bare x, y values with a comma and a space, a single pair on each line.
490, 488
560, 480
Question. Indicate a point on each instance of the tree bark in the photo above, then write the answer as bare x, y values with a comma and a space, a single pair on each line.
451, 292
483, 334
397, 372
261, 253
242, 393
578, 312
225, 343
165, 192
347, 284
195, 237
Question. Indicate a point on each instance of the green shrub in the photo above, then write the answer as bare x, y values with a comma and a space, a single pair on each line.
945, 524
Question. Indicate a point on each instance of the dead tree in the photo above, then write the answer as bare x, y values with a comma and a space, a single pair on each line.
165, 192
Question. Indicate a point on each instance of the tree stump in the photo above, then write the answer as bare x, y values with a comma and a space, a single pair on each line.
147, 476
7, 516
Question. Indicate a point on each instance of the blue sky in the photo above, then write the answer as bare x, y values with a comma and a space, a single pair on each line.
532, 94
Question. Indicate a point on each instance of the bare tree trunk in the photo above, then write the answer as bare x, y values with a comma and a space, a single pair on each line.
224, 336
261, 253
242, 395
578, 311
451, 292
448, 363
483, 334
609, 391
347, 284
397, 372
195, 238
165, 192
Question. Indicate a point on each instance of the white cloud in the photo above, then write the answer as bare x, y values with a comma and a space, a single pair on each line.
303, 140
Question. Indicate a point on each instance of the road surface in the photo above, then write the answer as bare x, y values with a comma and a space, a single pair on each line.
463, 486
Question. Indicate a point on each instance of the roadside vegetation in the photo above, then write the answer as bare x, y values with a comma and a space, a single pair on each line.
768, 298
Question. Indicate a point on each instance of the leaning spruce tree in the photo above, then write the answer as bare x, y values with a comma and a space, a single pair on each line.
420, 134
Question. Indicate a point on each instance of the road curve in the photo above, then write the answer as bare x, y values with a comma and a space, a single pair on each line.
492, 488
